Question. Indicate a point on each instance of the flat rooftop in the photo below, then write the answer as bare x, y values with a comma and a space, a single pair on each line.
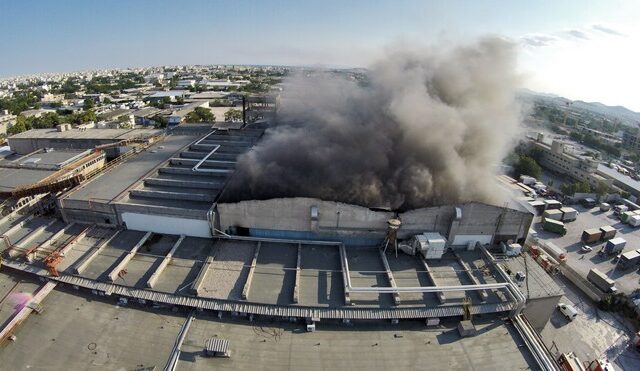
93, 134
624, 179
77, 330
265, 272
281, 345
11, 179
17, 170
107, 186
78, 333
42, 158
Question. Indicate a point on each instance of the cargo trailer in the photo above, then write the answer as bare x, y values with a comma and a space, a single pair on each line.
553, 204
554, 214
554, 226
591, 235
554, 251
569, 214
620, 209
615, 245
601, 281
608, 232
634, 221
630, 259
625, 215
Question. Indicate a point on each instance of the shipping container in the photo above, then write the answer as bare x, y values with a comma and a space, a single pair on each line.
554, 226
634, 221
601, 280
591, 235
630, 259
605, 206
569, 214
615, 245
552, 214
608, 232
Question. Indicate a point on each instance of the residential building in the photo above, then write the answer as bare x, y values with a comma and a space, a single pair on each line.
631, 140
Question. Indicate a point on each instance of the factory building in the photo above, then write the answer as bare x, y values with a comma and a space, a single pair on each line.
64, 137
556, 157
309, 219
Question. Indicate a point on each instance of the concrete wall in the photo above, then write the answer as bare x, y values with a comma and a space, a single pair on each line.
294, 214
24, 146
166, 224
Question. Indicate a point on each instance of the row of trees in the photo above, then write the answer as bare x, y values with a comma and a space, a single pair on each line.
50, 120
21, 101
592, 141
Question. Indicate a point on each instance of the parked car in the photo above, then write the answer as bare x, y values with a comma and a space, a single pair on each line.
568, 311
586, 248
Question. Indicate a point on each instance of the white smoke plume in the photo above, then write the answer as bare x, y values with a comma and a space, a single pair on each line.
428, 128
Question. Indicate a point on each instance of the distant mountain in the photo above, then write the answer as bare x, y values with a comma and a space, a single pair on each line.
625, 115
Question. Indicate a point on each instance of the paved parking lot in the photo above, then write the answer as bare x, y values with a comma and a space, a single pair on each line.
626, 281
593, 334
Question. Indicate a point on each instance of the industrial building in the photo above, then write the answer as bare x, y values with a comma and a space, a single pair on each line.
153, 230
64, 137
557, 157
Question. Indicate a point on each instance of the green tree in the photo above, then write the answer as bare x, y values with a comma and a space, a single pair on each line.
201, 114
21, 125
528, 166
577, 187
602, 189
89, 104
47, 121
233, 115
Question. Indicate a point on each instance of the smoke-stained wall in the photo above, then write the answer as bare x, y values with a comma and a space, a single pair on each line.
427, 128
337, 220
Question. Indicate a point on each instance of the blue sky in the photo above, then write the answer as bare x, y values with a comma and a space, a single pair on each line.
580, 49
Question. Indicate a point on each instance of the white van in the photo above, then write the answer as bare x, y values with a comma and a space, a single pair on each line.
568, 311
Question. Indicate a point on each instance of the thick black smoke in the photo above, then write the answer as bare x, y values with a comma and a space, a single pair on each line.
429, 128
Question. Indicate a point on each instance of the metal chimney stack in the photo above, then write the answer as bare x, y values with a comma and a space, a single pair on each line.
393, 225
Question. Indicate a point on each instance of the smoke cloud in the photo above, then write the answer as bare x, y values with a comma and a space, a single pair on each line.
427, 128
